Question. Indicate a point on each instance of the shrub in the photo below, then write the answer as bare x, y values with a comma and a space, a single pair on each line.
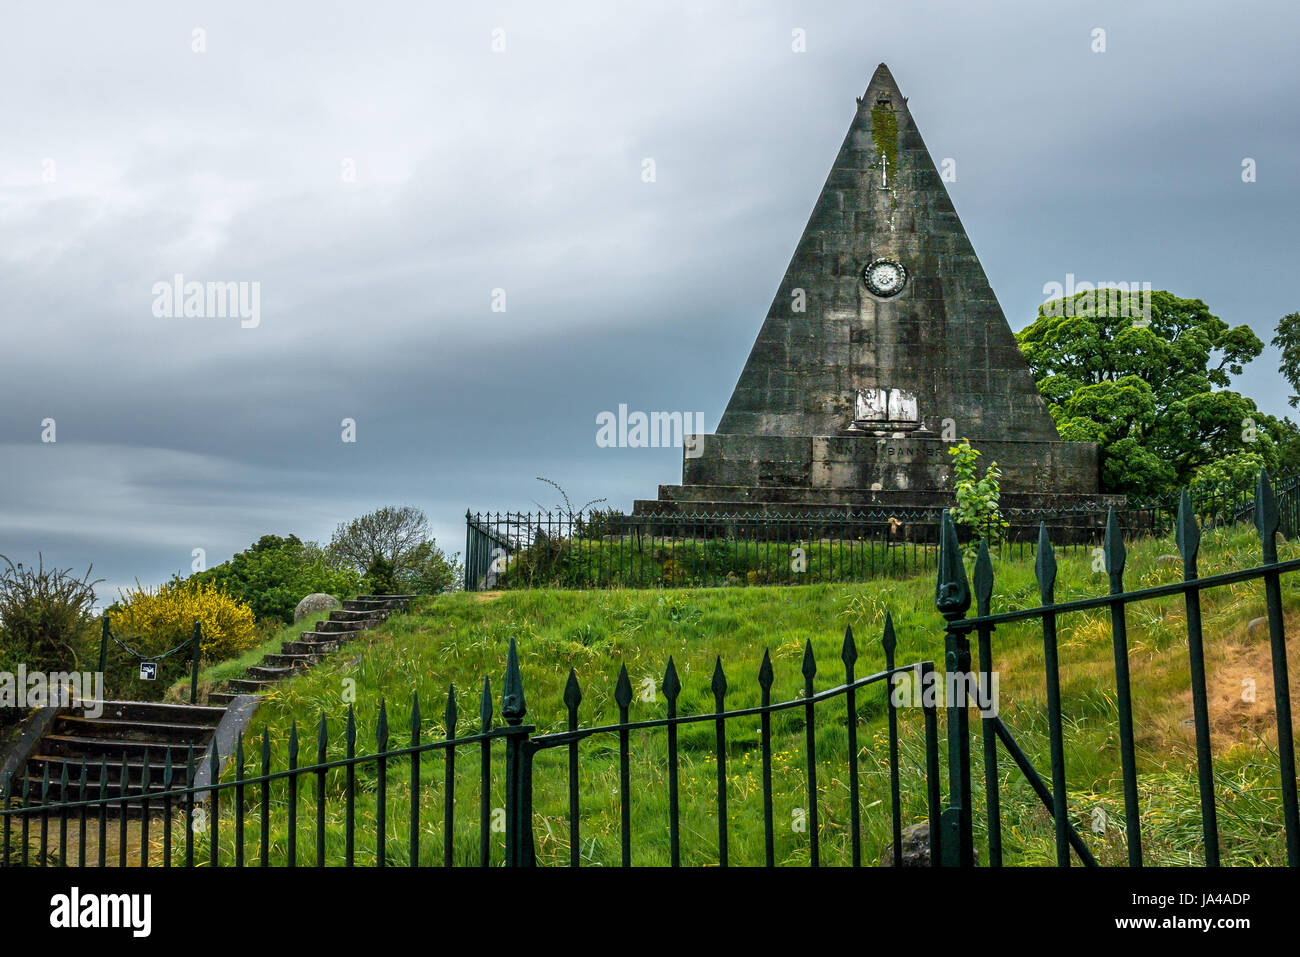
45, 621
430, 572
156, 621
978, 499
273, 574
379, 577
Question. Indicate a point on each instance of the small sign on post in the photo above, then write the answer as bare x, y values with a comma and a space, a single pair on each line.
148, 670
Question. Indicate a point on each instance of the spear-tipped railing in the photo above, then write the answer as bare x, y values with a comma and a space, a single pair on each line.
953, 601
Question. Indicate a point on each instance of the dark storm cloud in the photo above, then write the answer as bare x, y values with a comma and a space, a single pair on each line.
521, 171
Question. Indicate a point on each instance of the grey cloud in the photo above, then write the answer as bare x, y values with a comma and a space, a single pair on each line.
521, 171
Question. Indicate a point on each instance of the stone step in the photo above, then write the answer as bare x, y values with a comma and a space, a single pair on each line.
391, 603
37, 763
335, 627
157, 711
133, 786
262, 673
222, 698
365, 604
154, 731
248, 685
327, 637
113, 808
284, 660
345, 614
308, 649
95, 748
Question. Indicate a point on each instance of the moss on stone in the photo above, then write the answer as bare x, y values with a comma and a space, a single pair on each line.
884, 132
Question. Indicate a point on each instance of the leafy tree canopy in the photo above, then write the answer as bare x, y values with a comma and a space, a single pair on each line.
1149, 382
393, 547
393, 533
1287, 339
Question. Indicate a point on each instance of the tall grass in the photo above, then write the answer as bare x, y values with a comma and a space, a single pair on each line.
459, 639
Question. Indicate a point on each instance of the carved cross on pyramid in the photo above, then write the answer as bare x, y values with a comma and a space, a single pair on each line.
894, 297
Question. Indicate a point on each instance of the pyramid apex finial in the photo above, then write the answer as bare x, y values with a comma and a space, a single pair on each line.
882, 82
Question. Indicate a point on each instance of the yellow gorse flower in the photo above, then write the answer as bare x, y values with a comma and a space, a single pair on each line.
159, 619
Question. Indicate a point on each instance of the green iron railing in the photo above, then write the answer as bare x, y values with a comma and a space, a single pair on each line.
953, 599
506, 550
252, 795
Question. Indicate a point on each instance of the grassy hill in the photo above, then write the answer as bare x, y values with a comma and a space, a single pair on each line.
460, 639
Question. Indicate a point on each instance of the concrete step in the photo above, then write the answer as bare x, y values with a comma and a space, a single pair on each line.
222, 698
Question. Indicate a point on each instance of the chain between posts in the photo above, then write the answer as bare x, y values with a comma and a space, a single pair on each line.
193, 644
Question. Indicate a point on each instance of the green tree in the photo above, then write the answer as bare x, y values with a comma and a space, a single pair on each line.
396, 537
1149, 382
429, 572
1287, 338
392, 533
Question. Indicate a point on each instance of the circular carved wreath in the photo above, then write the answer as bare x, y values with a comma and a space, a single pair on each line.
884, 277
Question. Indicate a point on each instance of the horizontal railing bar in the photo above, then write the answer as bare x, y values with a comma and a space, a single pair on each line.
557, 738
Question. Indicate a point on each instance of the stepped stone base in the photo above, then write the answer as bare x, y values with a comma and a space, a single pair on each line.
759, 501
887, 462
842, 474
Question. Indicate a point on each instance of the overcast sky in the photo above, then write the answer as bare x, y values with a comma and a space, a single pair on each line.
379, 169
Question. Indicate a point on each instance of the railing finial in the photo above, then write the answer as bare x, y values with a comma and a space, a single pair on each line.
513, 706
1266, 516
951, 592
1045, 566
983, 579
849, 650
1113, 547
1187, 533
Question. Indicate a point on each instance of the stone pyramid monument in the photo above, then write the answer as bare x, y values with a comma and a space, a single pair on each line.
884, 344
